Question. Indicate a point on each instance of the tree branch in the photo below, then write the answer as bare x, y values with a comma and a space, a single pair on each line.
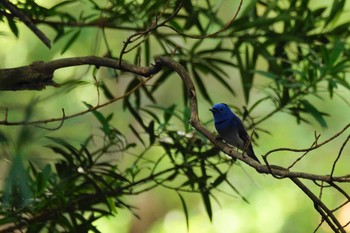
43, 73
326, 214
27, 21
39, 74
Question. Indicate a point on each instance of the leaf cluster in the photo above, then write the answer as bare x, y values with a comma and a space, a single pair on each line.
89, 181
306, 50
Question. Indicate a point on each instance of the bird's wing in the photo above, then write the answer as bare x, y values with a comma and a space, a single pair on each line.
242, 133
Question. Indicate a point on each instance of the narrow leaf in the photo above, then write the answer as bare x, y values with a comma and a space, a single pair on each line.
100, 118
137, 134
184, 206
13, 26
219, 180
315, 113
201, 85
207, 204
70, 41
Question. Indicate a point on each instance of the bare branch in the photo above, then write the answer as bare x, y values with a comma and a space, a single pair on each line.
153, 27
27, 21
214, 34
40, 74
313, 147
64, 117
326, 214
339, 154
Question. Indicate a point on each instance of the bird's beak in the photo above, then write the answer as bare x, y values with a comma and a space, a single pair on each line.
212, 109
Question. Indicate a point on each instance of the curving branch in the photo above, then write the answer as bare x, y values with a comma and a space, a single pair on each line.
195, 122
40, 74
326, 214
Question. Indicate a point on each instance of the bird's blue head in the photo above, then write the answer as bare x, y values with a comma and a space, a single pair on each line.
221, 112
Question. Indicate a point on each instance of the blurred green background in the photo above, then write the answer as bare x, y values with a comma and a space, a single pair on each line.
274, 205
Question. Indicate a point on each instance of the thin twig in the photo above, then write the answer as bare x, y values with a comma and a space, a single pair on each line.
214, 34
153, 27
339, 154
27, 21
61, 119
306, 152
326, 214
312, 148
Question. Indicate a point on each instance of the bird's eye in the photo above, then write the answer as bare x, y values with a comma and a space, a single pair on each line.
221, 109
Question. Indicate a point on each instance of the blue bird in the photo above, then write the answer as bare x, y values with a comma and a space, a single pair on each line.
231, 129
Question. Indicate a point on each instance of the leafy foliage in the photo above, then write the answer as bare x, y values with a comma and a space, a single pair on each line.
306, 51
88, 182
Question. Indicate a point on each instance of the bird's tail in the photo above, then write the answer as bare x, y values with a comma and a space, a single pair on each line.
251, 154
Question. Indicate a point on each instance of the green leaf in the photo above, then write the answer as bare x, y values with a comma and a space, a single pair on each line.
186, 118
206, 200
59, 33
175, 25
209, 68
201, 85
245, 23
73, 152
133, 83
62, 152
205, 192
53, 8
71, 41
343, 82
100, 118
168, 113
150, 131
184, 206
13, 26
341, 29
148, 94
246, 67
137, 134
17, 192
335, 53
337, 8
135, 114
3, 138
165, 74
222, 177
108, 94
147, 52
315, 113
267, 74
318, 12
220, 61
42, 178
